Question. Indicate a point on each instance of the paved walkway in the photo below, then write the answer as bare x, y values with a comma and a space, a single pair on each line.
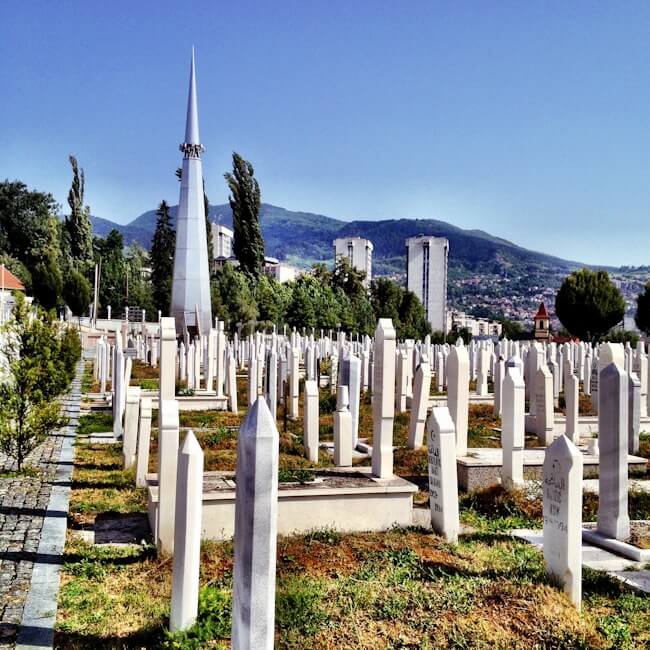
24, 508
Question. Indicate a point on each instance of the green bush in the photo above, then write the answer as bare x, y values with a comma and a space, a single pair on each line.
212, 623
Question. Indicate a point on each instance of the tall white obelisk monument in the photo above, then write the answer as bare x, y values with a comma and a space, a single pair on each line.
191, 284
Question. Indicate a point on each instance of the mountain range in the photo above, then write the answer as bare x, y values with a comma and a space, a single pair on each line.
303, 238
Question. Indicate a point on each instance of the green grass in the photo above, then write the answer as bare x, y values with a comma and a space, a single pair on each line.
95, 423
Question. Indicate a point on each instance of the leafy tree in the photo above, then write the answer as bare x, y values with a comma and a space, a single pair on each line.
389, 300
139, 287
30, 233
245, 203
301, 312
112, 289
77, 292
365, 321
78, 225
161, 259
412, 322
512, 330
386, 298
16, 267
588, 304
40, 364
272, 299
348, 279
234, 299
621, 336
463, 333
642, 317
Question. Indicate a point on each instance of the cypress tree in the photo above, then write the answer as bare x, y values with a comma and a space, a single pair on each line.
162, 259
245, 204
78, 225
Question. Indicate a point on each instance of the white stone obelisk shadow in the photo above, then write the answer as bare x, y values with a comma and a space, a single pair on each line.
256, 527
187, 535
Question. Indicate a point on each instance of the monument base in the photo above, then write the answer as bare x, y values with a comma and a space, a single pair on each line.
345, 499
481, 467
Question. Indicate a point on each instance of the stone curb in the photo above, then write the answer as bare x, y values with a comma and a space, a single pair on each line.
39, 614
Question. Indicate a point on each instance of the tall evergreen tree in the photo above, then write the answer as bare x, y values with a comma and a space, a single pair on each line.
245, 203
161, 258
78, 225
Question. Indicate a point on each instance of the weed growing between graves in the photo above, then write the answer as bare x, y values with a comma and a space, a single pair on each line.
638, 503
141, 370
95, 423
481, 423
495, 509
145, 384
644, 444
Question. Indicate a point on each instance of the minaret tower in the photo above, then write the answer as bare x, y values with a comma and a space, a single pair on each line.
191, 284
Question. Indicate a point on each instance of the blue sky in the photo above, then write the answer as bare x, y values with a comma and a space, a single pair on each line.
528, 120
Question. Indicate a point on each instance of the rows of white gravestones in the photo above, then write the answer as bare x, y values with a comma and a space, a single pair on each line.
398, 375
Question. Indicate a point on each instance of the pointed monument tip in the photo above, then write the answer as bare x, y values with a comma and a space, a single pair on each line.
259, 422
192, 122
563, 444
191, 446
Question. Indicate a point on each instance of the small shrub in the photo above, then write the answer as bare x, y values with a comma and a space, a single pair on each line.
213, 622
217, 437
298, 606
327, 403
616, 631
325, 535
295, 475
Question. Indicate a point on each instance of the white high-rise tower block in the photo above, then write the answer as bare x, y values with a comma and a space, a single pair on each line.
191, 284
358, 252
426, 276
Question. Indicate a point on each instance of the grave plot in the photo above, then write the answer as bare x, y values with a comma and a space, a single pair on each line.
453, 572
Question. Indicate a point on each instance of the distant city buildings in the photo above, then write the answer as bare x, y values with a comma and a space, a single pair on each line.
222, 239
358, 252
458, 320
426, 276
281, 271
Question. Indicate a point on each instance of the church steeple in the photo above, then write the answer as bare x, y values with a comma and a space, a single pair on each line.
192, 146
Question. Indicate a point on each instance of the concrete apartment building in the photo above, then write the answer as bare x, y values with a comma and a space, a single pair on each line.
358, 251
426, 276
